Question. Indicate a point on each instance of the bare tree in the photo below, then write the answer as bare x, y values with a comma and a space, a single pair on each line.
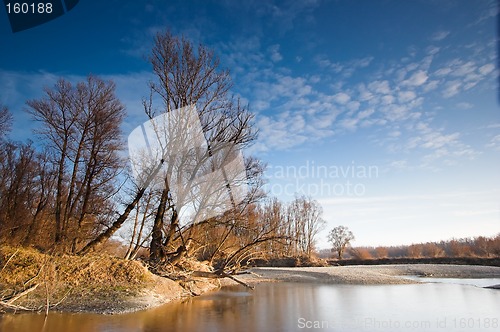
187, 76
340, 237
5, 120
432, 250
17, 188
381, 252
140, 230
272, 216
306, 215
81, 129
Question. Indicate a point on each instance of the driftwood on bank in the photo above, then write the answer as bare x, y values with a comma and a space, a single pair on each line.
219, 275
9, 302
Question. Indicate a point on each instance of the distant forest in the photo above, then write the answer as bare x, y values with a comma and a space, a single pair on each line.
474, 247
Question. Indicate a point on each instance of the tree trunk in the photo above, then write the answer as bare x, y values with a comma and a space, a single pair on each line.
123, 217
174, 222
58, 210
116, 225
156, 248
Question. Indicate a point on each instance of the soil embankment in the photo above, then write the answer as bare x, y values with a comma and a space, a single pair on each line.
91, 283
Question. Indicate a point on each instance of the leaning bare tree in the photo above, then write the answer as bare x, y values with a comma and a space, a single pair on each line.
187, 77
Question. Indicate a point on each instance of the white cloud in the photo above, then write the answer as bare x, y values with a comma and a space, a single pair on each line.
470, 85
494, 143
417, 79
396, 112
274, 50
466, 74
341, 98
488, 13
440, 35
364, 93
399, 164
280, 134
486, 69
443, 71
349, 123
353, 105
433, 50
406, 96
462, 69
380, 87
388, 99
431, 85
436, 140
364, 62
346, 69
452, 88
397, 103
366, 113
412, 66
315, 79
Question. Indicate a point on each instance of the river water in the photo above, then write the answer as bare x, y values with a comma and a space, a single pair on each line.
443, 306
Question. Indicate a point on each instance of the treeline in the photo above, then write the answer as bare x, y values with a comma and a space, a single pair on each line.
74, 189
59, 192
51, 202
265, 230
480, 247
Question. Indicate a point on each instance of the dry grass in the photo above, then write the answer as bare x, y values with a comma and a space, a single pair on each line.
83, 278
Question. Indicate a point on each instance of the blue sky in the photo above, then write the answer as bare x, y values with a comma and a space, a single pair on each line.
386, 112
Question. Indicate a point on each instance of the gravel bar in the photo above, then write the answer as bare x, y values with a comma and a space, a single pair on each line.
369, 274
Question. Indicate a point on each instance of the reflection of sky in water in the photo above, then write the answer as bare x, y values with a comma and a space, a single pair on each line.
483, 282
294, 307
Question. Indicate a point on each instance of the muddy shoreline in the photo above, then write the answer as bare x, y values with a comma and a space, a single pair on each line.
162, 290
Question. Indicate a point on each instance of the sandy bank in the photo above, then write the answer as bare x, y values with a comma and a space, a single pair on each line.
369, 275
159, 291
163, 290
148, 290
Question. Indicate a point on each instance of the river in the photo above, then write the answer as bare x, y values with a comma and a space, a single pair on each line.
446, 305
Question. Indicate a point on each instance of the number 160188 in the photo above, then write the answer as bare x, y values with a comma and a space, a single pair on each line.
29, 8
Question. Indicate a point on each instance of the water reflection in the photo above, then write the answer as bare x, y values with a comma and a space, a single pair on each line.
297, 307
483, 282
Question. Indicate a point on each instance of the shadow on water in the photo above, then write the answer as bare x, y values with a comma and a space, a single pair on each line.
297, 307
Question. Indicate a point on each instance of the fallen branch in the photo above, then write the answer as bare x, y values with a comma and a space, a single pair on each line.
239, 281
17, 296
9, 303
219, 275
14, 307
12, 256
